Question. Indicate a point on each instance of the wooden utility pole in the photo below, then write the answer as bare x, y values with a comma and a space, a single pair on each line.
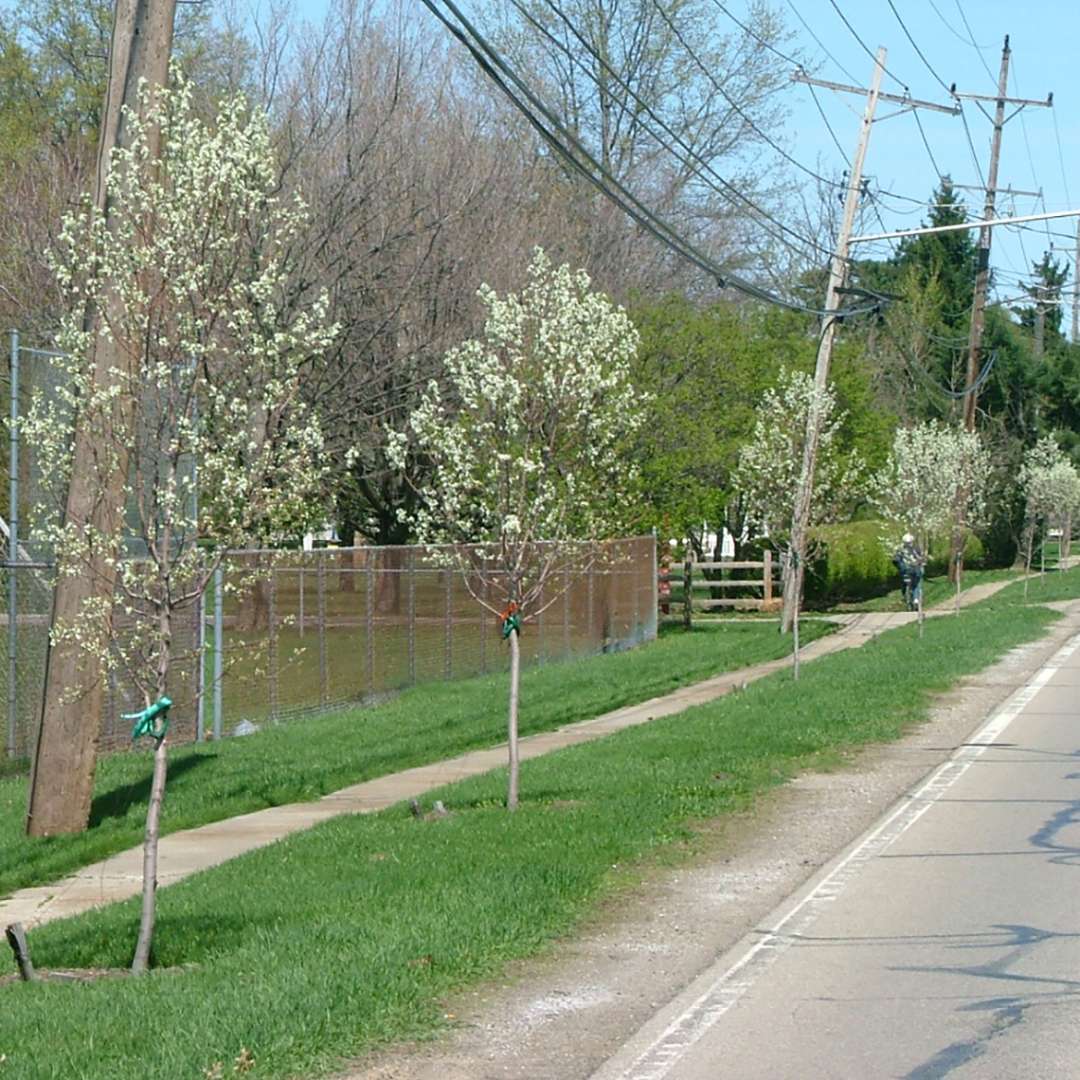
794, 569
62, 779
982, 276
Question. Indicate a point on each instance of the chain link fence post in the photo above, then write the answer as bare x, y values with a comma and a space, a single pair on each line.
272, 645
369, 621
324, 674
448, 634
200, 670
13, 553
410, 616
567, 646
219, 650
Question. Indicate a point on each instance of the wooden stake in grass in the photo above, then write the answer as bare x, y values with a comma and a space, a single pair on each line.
16, 938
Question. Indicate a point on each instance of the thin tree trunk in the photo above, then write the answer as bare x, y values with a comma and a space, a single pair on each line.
1027, 561
150, 859
512, 724
147, 918
795, 642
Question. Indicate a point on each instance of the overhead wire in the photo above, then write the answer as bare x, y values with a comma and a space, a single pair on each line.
926, 144
974, 44
914, 44
949, 26
574, 153
746, 118
726, 188
828, 126
866, 48
757, 37
820, 44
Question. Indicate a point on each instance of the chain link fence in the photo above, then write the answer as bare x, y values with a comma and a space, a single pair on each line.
318, 630
324, 629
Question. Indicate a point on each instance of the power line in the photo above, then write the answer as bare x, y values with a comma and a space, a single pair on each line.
949, 26
828, 126
561, 141
757, 37
1061, 158
729, 189
820, 43
971, 41
866, 48
926, 143
1031, 160
716, 82
915, 46
971, 145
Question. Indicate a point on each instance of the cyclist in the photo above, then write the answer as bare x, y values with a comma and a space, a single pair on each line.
911, 563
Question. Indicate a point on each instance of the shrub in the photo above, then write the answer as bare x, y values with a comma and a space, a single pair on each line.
850, 562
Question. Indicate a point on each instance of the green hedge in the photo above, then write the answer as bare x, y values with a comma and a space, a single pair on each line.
850, 563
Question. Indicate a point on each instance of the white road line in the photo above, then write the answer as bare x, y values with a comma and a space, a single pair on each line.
658, 1059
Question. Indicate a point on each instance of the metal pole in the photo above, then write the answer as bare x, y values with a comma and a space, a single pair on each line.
200, 674
219, 649
448, 644
272, 646
655, 621
13, 550
369, 622
324, 673
410, 620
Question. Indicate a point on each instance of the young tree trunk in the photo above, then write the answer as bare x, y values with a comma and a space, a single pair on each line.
1027, 561
512, 720
150, 857
141, 960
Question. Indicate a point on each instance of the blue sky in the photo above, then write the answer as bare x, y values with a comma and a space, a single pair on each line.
1044, 40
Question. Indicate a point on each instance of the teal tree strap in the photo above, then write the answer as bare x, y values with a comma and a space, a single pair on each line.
152, 721
511, 624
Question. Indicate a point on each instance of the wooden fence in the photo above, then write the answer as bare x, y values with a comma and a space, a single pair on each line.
693, 580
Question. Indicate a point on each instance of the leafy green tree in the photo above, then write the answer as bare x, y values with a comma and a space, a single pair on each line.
705, 368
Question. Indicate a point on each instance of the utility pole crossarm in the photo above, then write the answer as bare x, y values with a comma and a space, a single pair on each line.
1047, 104
900, 99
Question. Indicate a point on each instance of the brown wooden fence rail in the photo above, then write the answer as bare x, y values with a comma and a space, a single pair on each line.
693, 580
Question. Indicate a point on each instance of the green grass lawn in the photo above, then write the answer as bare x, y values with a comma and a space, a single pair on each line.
936, 590
306, 759
339, 939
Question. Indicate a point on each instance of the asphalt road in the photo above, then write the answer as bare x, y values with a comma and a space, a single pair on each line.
945, 942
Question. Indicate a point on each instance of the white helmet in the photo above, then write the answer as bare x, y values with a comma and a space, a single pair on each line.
908, 538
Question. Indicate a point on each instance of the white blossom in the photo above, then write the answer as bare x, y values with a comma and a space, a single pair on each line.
188, 277
936, 476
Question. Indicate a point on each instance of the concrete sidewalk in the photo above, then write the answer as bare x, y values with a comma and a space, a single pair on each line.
184, 853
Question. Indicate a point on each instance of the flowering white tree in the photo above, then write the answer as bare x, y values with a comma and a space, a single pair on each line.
769, 470
933, 474
525, 449
195, 261
1051, 489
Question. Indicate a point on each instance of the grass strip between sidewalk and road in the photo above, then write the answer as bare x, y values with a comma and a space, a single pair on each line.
307, 759
340, 939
